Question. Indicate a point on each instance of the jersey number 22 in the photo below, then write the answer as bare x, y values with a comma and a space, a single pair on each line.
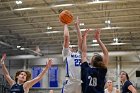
77, 62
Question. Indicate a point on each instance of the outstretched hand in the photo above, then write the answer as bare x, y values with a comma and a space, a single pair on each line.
97, 34
3, 58
49, 63
77, 22
86, 32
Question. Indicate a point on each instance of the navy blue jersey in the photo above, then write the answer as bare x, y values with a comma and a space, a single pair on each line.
125, 87
93, 78
16, 88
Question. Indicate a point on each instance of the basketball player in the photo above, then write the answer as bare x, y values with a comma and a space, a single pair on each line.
110, 88
93, 74
127, 86
22, 82
72, 59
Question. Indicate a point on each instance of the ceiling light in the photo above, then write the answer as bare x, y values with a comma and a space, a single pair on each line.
18, 46
22, 48
94, 41
18, 2
96, 2
82, 29
110, 44
106, 28
49, 27
52, 32
85, 29
115, 40
81, 24
117, 43
94, 45
62, 5
108, 22
29, 8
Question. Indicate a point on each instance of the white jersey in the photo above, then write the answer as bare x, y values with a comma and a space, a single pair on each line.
113, 91
73, 62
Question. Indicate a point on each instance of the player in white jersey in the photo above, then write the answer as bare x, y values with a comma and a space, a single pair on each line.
110, 88
72, 59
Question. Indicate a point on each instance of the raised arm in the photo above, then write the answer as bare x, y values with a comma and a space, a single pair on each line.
5, 71
104, 49
30, 83
84, 46
65, 50
66, 36
79, 36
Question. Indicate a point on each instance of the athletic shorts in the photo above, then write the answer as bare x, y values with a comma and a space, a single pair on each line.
71, 86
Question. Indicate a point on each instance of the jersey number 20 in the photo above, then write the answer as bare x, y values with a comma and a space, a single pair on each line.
92, 81
77, 62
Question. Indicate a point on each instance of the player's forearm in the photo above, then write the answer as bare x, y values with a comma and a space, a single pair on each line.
4, 70
79, 36
66, 30
80, 44
66, 36
103, 47
84, 49
84, 44
40, 76
134, 91
30, 83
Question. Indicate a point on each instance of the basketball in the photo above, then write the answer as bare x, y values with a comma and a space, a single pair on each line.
66, 17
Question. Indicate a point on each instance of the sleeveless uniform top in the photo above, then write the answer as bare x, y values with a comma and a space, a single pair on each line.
125, 87
73, 62
113, 91
93, 78
16, 88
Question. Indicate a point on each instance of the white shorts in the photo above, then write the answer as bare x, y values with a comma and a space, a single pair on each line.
72, 86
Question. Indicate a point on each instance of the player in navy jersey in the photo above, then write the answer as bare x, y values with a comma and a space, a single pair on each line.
22, 82
72, 59
93, 73
127, 86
